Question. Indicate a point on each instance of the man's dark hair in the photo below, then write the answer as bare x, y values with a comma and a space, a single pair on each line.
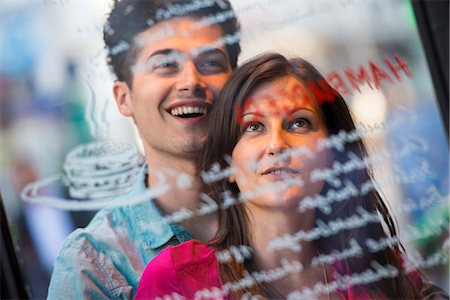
128, 18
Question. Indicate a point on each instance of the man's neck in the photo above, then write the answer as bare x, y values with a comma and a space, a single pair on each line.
185, 187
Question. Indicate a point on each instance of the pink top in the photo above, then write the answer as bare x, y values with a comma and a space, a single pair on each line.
191, 267
182, 270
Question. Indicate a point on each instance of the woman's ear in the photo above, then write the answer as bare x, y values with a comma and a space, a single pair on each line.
231, 179
232, 170
122, 95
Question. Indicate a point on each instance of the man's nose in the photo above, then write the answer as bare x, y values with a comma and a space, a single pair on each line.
190, 81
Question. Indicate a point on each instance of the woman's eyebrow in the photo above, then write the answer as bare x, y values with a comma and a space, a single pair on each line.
256, 113
301, 108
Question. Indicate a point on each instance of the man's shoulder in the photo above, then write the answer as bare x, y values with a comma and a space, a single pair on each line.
122, 233
104, 257
97, 227
109, 226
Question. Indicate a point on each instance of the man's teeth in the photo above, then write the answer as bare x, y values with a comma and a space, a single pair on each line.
188, 110
278, 172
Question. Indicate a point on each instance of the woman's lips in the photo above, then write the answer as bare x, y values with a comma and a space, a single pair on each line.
279, 173
279, 170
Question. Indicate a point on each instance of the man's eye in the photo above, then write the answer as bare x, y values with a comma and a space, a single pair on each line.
253, 126
211, 66
165, 64
300, 123
211, 63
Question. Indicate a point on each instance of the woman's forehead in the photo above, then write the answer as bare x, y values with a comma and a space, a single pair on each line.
285, 92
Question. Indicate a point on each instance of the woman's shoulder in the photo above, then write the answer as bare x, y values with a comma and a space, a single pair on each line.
178, 269
190, 253
181, 256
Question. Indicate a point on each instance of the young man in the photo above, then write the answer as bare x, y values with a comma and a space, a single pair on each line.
171, 61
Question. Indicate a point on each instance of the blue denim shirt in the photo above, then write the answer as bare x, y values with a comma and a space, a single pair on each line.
106, 259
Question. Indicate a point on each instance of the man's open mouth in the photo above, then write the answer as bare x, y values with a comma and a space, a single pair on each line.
188, 112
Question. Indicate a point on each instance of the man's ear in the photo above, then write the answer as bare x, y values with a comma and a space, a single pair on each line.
122, 95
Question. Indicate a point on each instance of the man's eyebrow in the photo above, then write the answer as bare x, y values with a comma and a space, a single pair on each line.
207, 51
162, 52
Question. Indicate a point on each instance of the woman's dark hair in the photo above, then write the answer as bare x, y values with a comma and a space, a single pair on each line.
128, 18
224, 133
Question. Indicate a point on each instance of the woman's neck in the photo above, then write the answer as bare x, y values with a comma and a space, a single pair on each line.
268, 224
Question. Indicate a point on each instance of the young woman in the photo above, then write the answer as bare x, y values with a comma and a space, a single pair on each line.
273, 118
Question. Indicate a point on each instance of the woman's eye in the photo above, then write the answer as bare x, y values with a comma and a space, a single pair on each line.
300, 123
254, 126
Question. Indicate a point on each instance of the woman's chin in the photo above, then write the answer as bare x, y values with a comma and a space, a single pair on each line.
288, 199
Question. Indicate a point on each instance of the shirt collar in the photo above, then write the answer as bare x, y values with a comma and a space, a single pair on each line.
148, 220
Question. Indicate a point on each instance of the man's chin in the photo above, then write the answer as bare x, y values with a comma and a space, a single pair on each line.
192, 147
184, 147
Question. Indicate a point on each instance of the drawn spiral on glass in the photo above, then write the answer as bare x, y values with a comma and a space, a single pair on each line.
101, 169
96, 175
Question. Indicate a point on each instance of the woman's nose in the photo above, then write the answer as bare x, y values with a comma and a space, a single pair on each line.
278, 146
277, 142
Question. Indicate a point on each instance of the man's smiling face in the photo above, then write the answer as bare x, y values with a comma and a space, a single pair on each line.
174, 85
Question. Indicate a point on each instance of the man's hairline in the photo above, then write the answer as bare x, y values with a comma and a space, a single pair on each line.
134, 50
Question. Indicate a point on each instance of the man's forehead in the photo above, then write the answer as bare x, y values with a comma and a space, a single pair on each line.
158, 32
193, 53
180, 34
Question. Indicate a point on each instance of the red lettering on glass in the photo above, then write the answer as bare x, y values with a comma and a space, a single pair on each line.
338, 83
378, 74
401, 65
357, 80
324, 92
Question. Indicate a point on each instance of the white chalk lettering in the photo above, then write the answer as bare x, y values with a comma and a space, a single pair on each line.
228, 39
376, 273
173, 10
348, 191
216, 173
122, 46
238, 253
287, 241
249, 280
219, 17
335, 255
208, 206
416, 261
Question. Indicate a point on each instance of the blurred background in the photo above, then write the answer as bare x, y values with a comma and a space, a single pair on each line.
55, 93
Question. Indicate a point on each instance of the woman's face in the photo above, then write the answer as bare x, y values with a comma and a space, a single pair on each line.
279, 119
